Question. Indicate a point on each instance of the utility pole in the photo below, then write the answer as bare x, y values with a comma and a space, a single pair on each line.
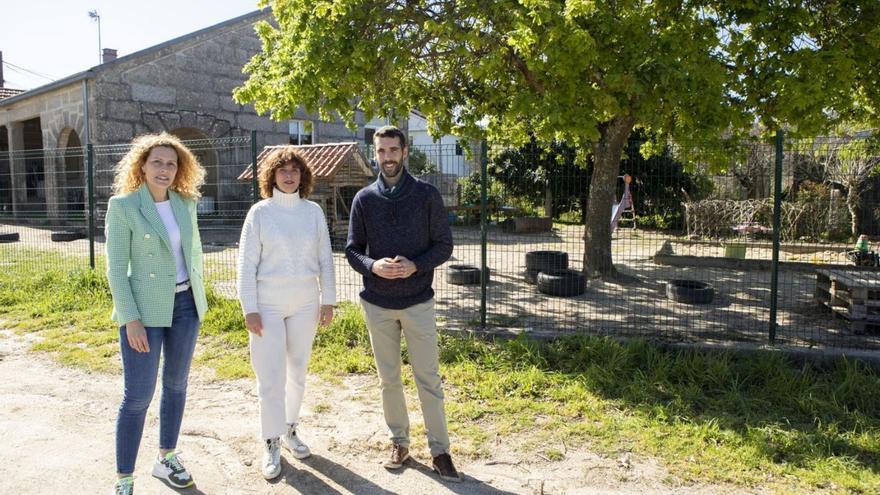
1, 69
94, 15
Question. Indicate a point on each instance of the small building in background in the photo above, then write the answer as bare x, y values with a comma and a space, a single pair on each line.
340, 170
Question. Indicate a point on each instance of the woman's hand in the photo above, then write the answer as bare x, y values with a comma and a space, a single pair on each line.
326, 316
137, 336
254, 323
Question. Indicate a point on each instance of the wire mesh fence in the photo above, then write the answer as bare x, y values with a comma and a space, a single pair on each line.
691, 232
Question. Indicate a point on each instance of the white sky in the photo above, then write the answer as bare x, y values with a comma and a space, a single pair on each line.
57, 38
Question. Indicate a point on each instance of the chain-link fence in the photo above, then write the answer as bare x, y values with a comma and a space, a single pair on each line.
690, 229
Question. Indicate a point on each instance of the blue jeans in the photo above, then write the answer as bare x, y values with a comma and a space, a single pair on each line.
140, 370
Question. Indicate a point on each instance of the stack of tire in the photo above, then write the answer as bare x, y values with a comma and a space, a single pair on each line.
549, 271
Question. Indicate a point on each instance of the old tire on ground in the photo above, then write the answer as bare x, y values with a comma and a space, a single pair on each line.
689, 291
67, 235
464, 274
565, 283
544, 261
8, 236
531, 276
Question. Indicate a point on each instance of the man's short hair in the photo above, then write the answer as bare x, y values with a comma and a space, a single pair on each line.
387, 131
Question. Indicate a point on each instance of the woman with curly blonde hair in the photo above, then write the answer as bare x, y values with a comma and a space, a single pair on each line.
286, 288
154, 267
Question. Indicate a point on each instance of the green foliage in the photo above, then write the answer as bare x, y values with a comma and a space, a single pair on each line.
560, 70
528, 171
470, 190
418, 163
660, 183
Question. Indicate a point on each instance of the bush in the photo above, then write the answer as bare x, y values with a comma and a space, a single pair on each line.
470, 190
658, 184
418, 163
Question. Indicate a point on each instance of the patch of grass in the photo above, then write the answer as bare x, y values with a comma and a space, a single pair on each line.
344, 346
709, 417
69, 306
554, 454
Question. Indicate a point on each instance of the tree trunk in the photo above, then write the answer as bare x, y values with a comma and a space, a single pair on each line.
584, 201
852, 204
548, 202
606, 165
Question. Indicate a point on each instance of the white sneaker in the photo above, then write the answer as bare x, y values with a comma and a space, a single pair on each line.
170, 469
294, 444
271, 458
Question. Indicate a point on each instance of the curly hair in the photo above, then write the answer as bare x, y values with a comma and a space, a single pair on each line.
278, 158
129, 175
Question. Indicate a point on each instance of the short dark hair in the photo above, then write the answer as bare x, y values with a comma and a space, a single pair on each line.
387, 131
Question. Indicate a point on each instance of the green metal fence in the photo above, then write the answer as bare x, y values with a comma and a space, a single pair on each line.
766, 228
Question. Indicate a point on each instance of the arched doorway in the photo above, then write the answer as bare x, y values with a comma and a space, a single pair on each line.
71, 176
203, 148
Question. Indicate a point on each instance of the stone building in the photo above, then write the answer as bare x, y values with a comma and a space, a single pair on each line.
183, 86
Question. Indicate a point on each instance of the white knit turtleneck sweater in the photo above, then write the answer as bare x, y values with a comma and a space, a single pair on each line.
284, 239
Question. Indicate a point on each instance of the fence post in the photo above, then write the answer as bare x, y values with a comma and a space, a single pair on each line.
483, 228
777, 214
254, 181
90, 184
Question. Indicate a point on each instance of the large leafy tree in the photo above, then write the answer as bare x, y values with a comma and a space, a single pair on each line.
584, 71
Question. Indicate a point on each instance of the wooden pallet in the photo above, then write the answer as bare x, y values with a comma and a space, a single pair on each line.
857, 327
854, 295
860, 327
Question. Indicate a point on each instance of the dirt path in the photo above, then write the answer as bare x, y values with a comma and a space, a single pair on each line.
57, 424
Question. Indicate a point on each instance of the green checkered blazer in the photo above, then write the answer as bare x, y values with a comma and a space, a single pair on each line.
140, 266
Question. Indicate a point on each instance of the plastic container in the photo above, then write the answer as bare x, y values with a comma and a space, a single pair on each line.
735, 250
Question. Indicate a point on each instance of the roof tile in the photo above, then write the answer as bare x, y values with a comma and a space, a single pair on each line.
324, 159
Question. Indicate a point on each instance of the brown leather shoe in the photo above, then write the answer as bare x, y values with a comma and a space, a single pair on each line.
399, 455
443, 466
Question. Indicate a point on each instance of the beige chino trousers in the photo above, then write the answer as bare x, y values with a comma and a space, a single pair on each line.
419, 326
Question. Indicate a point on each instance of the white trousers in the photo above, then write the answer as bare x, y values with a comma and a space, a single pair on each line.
280, 357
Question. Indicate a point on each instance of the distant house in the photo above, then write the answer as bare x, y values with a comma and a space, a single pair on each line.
183, 86
446, 155
9, 92
340, 171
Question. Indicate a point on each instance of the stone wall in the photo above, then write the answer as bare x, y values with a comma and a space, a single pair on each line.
185, 84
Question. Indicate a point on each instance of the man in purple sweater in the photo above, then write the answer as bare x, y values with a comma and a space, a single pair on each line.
397, 234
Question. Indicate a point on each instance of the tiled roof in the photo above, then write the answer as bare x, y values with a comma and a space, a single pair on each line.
7, 92
324, 159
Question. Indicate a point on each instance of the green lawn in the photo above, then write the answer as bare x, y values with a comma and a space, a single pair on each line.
706, 416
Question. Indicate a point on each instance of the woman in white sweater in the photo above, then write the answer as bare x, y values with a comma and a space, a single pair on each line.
286, 287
